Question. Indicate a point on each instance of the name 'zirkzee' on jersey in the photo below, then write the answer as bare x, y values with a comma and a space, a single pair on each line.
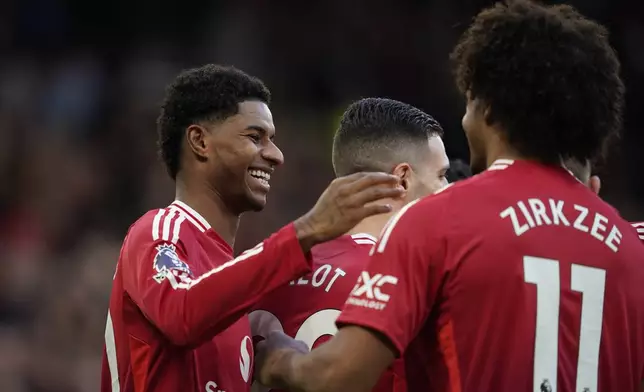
518, 279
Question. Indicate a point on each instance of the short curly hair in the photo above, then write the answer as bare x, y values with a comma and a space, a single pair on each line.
375, 134
211, 92
548, 76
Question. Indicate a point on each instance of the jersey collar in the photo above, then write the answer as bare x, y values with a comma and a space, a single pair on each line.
501, 164
197, 219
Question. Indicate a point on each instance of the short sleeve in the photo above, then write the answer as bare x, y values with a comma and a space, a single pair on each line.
397, 289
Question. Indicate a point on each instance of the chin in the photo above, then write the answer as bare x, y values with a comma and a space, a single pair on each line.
256, 203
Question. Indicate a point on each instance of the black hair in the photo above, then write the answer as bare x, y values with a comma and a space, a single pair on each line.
211, 92
458, 170
375, 134
548, 76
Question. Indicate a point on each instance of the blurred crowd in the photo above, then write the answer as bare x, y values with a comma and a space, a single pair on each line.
79, 94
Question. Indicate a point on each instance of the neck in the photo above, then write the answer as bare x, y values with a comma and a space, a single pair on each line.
204, 199
373, 225
499, 149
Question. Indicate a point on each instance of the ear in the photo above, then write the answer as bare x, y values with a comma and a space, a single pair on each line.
196, 139
404, 172
595, 184
487, 112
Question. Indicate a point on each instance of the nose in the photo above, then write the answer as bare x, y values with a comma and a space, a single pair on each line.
273, 154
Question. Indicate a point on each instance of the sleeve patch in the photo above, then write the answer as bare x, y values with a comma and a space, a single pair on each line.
167, 262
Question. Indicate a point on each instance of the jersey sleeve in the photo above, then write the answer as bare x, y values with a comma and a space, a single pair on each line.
639, 229
397, 289
190, 309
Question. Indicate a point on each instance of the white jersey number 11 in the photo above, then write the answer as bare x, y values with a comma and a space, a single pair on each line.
590, 282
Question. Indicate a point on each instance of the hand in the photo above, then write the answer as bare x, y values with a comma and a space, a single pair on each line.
346, 202
269, 354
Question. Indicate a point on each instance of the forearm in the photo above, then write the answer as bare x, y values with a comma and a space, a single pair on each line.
299, 372
319, 371
189, 312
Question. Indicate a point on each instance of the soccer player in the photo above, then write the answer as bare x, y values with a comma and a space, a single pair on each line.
176, 320
520, 278
375, 134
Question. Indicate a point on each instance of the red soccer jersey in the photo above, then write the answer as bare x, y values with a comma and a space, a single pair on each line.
639, 228
519, 279
306, 308
177, 320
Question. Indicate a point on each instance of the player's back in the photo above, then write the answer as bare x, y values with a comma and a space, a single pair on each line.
307, 308
542, 285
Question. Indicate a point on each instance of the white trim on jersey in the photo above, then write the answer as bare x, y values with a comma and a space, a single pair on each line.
364, 239
165, 224
185, 216
639, 227
110, 351
193, 214
186, 286
443, 188
390, 226
500, 164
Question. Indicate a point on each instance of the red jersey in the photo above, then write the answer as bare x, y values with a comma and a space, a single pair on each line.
177, 319
307, 308
518, 279
639, 228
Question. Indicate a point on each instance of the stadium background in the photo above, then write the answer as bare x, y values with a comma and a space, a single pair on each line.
80, 84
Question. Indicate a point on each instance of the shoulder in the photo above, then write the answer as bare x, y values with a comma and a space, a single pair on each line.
430, 217
639, 229
168, 225
363, 240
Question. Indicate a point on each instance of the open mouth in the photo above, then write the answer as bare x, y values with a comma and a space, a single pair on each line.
263, 177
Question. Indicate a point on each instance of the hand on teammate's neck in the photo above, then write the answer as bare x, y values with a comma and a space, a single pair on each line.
202, 198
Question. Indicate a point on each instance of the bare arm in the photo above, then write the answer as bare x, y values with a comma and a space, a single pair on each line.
352, 361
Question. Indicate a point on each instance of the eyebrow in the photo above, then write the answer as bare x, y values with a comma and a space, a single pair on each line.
259, 129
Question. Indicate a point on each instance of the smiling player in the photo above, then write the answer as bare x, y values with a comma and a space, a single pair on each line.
176, 320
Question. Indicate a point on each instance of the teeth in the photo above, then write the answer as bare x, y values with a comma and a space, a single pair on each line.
260, 174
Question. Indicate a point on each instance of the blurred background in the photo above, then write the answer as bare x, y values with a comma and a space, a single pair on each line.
80, 85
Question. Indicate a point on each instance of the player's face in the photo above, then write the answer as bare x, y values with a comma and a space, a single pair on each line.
244, 157
474, 124
431, 175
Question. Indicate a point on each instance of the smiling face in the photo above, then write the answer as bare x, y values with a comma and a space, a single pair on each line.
241, 157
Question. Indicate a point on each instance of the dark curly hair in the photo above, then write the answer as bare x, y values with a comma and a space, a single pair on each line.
211, 92
377, 133
548, 76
